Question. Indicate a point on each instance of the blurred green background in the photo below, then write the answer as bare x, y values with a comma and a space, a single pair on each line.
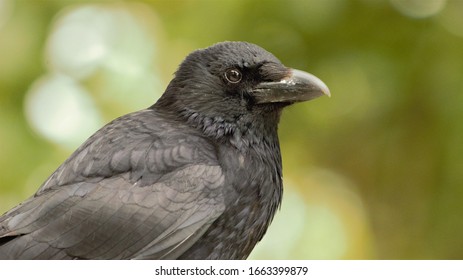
375, 172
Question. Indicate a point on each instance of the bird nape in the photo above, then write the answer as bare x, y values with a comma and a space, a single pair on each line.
195, 176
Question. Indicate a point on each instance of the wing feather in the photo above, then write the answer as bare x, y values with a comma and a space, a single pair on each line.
138, 196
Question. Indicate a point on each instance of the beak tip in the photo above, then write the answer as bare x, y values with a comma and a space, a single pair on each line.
315, 82
326, 91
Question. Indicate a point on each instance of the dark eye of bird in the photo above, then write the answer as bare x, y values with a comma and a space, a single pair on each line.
233, 76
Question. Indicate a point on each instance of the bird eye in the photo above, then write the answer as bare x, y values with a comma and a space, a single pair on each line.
233, 76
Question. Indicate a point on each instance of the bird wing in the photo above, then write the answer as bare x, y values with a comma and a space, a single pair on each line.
149, 194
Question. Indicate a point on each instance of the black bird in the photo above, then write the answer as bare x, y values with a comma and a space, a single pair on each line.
195, 176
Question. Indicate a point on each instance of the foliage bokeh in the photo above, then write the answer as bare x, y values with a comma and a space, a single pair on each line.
372, 173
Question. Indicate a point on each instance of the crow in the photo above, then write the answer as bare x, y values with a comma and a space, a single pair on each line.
198, 175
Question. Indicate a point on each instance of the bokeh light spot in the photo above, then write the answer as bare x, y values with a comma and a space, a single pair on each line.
325, 236
108, 49
293, 210
61, 110
80, 41
419, 8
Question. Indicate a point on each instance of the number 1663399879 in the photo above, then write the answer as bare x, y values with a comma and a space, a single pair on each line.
278, 270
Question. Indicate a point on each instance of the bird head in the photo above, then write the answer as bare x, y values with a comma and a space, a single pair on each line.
237, 82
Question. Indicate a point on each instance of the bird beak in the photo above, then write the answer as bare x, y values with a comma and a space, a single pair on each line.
298, 86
